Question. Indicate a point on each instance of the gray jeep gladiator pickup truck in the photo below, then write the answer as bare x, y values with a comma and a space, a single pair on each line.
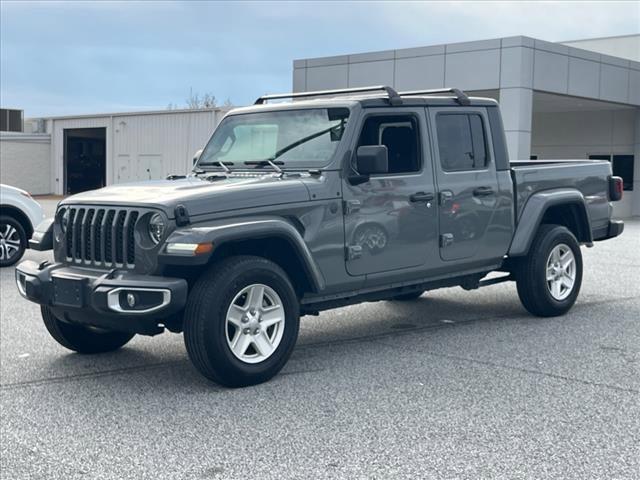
350, 196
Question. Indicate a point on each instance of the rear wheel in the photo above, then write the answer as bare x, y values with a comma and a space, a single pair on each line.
13, 241
241, 321
549, 278
80, 338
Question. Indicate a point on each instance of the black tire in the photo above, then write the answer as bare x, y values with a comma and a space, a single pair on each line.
205, 329
82, 339
20, 235
531, 272
407, 297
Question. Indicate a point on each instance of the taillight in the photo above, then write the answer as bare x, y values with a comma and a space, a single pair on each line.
616, 187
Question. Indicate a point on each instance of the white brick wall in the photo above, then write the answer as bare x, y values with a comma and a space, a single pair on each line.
25, 162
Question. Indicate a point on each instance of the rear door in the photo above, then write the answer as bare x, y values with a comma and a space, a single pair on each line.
468, 190
390, 221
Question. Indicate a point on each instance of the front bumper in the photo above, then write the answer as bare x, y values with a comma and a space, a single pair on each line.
116, 300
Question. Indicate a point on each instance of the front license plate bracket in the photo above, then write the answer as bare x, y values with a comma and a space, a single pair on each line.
68, 292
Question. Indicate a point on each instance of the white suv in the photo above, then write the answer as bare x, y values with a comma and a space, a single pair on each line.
19, 216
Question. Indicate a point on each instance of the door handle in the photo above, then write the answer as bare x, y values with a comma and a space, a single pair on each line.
483, 192
421, 197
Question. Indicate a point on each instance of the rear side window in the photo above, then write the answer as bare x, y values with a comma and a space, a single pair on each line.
462, 142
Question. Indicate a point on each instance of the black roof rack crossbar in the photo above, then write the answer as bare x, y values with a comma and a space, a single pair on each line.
394, 98
461, 97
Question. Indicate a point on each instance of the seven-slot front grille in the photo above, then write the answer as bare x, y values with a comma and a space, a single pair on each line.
101, 236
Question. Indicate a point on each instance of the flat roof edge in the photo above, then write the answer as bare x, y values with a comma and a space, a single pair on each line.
611, 37
24, 136
345, 58
129, 114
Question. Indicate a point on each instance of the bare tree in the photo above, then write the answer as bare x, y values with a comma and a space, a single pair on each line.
196, 102
208, 100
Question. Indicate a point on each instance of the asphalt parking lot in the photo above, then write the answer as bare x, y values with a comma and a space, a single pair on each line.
454, 385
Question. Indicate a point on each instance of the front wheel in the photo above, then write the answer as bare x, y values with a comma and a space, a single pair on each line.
241, 321
550, 276
80, 338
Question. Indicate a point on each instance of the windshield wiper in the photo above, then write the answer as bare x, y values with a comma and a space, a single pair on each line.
217, 163
224, 167
306, 139
262, 163
272, 160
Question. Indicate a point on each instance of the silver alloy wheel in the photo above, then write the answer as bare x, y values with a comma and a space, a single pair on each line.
255, 323
561, 271
9, 241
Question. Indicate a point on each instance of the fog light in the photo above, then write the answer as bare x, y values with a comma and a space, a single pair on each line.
134, 300
131, 300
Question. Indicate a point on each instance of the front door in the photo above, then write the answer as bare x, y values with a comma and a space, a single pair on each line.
391, 220
468, 191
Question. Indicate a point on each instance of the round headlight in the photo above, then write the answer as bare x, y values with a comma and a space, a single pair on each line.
156, 228
64, 219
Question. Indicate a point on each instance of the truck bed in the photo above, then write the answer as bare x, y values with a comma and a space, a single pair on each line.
590, 177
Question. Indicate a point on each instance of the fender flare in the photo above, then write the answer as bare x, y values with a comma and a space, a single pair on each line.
42, 238
534, 210
224, 231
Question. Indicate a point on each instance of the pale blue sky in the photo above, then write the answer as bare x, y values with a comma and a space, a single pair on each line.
61, 58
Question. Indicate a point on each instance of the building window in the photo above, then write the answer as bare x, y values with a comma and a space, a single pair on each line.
399, 133
621, 165
11, 120
462, 143
533, 157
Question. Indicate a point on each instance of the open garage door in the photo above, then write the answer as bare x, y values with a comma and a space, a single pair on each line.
85, 159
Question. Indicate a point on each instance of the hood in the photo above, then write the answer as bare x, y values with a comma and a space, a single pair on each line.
198, 195
8, 188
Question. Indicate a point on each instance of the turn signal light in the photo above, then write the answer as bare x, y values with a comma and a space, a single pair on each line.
189, 248
616, 188
203, 248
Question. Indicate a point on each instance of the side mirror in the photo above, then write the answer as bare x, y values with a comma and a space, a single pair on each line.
196, 156
372, 159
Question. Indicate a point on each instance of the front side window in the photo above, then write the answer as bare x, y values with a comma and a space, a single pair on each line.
462, 142
399, 133
299, 138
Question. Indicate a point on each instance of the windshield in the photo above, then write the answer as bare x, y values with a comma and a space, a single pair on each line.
298, 138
